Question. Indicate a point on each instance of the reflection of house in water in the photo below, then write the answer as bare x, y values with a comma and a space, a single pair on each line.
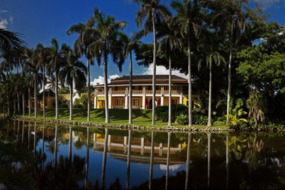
140, 149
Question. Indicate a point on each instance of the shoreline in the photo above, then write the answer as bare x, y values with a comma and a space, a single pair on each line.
146, 128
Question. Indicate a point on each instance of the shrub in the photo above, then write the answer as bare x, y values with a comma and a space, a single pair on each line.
161, 112
182, 119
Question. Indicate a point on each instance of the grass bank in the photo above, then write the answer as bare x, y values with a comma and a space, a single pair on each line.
117, 117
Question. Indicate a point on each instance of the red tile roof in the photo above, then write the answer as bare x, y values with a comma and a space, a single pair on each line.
147, 79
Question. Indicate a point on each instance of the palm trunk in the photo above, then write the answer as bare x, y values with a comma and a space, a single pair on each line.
30, 103
44, 97
71, 101
169, 91
189, 84
8, 105
230, 75
107, 120
210, 97
154, 70
88, 93
35, 97
131, 90
14, 103
18, 103
56, 96
23, 104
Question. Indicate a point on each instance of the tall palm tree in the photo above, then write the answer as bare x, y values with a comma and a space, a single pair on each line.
170, 42
210, 53
33, 67
187, 11
152, 12
55, 63
87, 35
9, 40
41, 55
73, 72
28, 74
233, 21
108, 43
131, 44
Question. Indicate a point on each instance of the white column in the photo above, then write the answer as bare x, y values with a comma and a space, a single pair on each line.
142, 145
126, 98
162, 96
181, 99
110, 98
95, 101
143, 99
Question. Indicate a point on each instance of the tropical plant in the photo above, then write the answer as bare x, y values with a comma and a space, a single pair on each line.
109, 43
72, 74
255, 107
131, 44
236, 118
9, 40
41, 58
187, 12
33, 68
170, 42
87, 35
230, 16
56, 61
152, 13
207, 44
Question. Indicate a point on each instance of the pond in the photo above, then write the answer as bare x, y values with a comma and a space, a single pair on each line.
39, 156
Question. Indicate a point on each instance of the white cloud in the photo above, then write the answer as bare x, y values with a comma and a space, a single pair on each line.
161, 70
100, 79
11, 19
267, 3
3, 11
171, 167
3, 23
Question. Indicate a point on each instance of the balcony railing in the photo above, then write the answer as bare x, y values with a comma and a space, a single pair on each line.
174, 92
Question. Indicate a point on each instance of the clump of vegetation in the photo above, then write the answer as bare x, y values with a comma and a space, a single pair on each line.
236, 118
161, 112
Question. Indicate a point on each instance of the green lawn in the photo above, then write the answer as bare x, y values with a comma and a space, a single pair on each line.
117, 117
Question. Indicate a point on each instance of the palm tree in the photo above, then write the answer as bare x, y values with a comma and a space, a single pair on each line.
211, 54
29, 82
109, 42
9, 40
55, 63
168, 44
41, 54
33, 67
152, 12
87, 35
131, 44
73, 72
233, 21
187, 11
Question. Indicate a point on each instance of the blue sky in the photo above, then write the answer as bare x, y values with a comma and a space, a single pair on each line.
38, 21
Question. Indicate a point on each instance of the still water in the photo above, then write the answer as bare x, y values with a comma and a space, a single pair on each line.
39, 156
